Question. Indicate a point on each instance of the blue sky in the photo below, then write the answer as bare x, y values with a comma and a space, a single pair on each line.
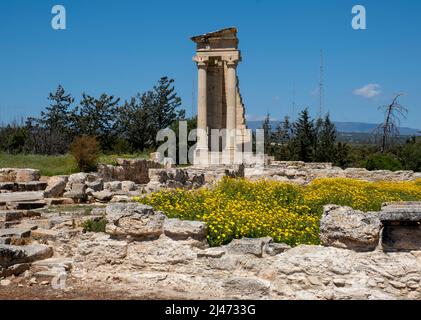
124, 47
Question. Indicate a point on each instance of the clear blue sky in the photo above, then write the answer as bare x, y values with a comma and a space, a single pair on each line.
123, 47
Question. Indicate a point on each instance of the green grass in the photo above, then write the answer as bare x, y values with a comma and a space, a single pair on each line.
55, 165
48, 165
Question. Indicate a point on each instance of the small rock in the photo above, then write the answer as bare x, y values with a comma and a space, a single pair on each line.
248, 246
113, 186
5, 283
182, 230
56, 187
274, 249
128, 186
103, 196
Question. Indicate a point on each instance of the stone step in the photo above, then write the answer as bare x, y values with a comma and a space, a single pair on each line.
44, 234
59, 201
5, 240
18, 233
31, 186
21, 197
27, 205
11, 255
16, 215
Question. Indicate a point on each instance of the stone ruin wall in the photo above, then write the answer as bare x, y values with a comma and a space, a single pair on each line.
136, 170
284, 171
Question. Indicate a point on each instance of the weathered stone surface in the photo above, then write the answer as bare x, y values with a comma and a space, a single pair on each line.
36, 252
402, 226
274, 249
103, 196
78, 192
113, 186
16, 215
182, 230
59, 201
96, 185
101, 249
5, 240
8, 175
11, 255
44, 234
343, 227
27, 175
15, 270
31, 186
27, 205
119, 199
7, 186
15, 233
56, 187
401, 212
135, 170
248, 246
135, 220
21, 196
65, 263
127, 186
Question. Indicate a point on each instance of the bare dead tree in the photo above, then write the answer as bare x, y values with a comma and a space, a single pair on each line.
389, 129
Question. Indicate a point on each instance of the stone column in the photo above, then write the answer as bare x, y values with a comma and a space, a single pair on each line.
231, 104
202, 110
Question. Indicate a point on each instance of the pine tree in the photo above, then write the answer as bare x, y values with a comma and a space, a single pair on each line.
304, 137
326, 148
282, 141
97, 117
134, 121
165, 105
57, 115
266, 127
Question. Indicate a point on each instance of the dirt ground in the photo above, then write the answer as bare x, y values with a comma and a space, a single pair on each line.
76, 291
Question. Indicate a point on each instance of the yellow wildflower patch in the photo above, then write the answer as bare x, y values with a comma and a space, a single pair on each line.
237, 208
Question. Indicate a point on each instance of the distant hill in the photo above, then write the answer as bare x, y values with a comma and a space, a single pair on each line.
343, 127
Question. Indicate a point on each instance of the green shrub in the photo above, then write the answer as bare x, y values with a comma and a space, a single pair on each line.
383, 162
93, 225
86, 151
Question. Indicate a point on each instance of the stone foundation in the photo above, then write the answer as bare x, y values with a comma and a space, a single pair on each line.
135, 170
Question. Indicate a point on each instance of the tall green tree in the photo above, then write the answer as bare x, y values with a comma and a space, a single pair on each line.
57, 115
97, 117
165, 106
282, 141
134, 121
326, 147
267, 129
304, 137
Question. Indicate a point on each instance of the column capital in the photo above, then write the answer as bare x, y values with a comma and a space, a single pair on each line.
202, 61
231, 60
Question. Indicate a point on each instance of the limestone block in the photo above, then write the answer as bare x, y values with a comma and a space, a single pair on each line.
27, 175
346, 228
182, 230
135, 220
56, 187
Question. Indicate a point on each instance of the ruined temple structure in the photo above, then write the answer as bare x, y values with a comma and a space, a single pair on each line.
220, 104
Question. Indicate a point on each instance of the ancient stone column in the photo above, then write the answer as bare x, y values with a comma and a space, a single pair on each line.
231, 103
202, 110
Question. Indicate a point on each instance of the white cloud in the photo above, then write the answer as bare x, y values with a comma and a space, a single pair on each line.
369, 91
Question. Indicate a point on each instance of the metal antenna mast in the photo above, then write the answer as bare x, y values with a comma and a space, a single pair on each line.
321, 86
293, 102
